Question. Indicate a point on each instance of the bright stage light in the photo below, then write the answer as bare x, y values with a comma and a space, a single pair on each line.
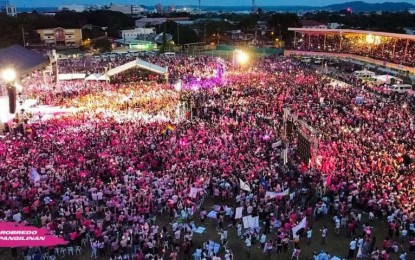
8, 75
242, 57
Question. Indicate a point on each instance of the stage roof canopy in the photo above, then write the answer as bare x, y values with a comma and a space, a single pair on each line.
350, 31
22, 60
137, 64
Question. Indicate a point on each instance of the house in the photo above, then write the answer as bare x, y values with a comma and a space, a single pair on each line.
313, 24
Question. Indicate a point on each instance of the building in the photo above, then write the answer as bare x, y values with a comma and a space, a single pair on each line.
185, 23
7, 8
313, 24
159, 8
171, 9
334, 25
126, 9
146, 22
137, 44
136, 32
61, 37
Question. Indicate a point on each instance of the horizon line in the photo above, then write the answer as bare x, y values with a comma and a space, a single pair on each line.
243, 5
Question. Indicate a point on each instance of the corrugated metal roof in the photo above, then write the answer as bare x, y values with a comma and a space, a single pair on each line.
22, 60
351, 31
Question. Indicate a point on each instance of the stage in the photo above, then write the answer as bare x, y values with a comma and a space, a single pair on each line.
30, 106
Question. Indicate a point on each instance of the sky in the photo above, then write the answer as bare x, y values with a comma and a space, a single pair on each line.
55, 3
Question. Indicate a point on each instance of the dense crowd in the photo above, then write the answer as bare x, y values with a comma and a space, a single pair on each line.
128, 153
395, 50
179, 67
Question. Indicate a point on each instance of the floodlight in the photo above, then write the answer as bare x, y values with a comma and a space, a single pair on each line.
242, 57
9, 75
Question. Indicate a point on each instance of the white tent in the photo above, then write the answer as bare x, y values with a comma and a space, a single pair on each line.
71, 76
103, 77
96, 77
137, 64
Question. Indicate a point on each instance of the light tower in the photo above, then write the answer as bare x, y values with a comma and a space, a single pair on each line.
253, 6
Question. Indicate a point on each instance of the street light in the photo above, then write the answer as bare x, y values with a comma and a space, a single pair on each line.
8, 75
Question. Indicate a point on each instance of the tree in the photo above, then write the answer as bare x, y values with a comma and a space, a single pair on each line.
181, 34
280, 22
102, 45
164, 39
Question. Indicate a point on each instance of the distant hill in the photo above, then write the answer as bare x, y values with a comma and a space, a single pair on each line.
360, 6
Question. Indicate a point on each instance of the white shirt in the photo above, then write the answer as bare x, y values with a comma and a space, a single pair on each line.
403, 256
17, 217
360, 242
100, 195
353, 245
248, 242
263, 238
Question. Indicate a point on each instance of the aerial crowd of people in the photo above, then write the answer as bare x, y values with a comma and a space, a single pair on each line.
388, 49
134, 154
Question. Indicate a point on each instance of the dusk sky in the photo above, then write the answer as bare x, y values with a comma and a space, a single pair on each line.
55, 3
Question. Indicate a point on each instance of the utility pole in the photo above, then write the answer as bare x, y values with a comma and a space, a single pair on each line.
24, 40
178, 35
253, 6
55, 57
204, 33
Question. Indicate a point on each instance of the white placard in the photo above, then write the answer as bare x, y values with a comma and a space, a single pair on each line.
238, 213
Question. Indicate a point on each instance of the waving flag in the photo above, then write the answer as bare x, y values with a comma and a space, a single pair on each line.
244, 186
300, 225
34, 175
169, 128
272, 195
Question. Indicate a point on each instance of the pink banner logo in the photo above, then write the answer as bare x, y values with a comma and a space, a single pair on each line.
19, 235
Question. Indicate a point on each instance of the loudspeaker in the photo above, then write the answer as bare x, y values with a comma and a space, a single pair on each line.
11, 91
